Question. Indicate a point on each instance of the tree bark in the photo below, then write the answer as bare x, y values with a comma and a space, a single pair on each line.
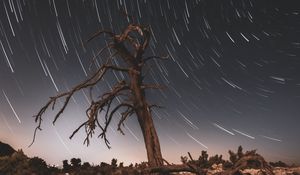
145, 120
150, 138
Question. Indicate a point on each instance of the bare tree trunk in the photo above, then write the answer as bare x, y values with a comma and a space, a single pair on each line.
150, 137
146, 122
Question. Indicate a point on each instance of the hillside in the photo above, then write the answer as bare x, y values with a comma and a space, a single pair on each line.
6, 150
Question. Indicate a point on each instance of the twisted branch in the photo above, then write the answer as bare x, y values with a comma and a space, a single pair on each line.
90, 82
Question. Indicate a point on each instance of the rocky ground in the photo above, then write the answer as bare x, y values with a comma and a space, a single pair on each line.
286, 171
217, 170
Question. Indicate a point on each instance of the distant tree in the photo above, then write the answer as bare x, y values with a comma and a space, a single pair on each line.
114, 162
53, 170
121, 165
66, 166
142, 165
240, 153
86, 165
128, 95
184, 159
76, 162
103, 164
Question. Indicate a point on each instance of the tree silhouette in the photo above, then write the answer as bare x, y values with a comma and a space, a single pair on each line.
86, 165
127, 96
38, 165
240, 153
76, 162
114, 162
66, 166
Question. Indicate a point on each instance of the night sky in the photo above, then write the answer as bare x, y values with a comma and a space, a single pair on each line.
232, 78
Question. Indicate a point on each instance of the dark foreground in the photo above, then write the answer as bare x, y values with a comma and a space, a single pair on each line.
249, 163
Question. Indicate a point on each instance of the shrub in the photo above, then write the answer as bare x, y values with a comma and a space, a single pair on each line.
114, 162
38, 166
66, 166
76, 163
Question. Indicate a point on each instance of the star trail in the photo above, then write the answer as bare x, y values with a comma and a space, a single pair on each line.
233, 77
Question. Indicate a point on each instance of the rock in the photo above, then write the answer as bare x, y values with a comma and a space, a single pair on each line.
286, 171
252, 171
215, 169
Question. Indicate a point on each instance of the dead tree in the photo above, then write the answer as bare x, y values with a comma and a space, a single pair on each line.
129, 46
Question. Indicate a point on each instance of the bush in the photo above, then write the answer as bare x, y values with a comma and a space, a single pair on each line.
66, 166
114, 162
76, 163
16, 164
232, 157
215, 160
86, 165
227, 165
38, 166
203, 160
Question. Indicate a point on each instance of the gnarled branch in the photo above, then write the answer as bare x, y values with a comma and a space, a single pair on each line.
94, 79
100, 32
129, 111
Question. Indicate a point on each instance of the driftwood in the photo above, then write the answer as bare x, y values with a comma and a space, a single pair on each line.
249, 159
245, 162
